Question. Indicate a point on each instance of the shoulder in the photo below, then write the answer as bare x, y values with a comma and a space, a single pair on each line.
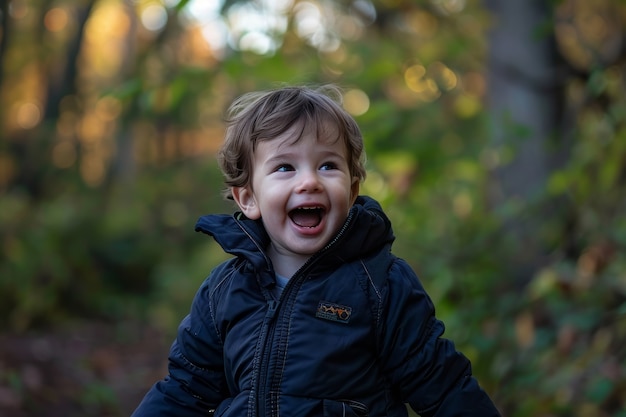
385, 271
202, 314
396, 286
392, 286
221, 275
216, 283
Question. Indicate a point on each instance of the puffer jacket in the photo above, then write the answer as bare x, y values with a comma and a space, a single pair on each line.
352, 334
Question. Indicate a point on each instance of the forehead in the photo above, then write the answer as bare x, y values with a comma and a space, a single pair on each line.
324, 133
322, 136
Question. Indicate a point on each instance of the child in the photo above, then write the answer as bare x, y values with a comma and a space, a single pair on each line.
313, 316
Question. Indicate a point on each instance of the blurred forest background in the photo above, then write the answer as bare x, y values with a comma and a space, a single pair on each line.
496, 138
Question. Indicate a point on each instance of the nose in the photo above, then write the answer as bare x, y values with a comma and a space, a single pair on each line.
309, 182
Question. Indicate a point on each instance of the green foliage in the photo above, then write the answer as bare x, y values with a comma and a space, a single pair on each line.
121, 246
101, 254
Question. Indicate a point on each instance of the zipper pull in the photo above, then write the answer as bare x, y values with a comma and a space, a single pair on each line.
272, 307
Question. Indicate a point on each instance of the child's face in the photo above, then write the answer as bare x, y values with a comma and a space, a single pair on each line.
302, 191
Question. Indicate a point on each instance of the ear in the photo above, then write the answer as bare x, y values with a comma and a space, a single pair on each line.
354, 189
244, 197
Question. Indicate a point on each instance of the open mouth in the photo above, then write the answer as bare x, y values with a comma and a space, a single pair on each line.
307, 216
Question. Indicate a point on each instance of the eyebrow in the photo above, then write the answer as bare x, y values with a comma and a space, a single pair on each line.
280, 157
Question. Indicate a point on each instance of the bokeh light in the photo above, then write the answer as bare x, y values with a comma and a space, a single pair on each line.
154, 17
56, 19
356, 102
28, 115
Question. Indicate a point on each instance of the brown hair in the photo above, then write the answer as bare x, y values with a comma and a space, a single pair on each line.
264, 115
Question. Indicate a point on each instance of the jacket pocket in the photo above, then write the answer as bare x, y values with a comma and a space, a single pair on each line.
345, 408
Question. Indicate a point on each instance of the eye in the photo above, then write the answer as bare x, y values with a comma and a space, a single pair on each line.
326, 166
284, 168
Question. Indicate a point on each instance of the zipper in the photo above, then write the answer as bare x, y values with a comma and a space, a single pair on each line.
267, 336
272, 307
261, 377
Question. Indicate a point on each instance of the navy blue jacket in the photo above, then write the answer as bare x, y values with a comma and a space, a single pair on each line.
352, 334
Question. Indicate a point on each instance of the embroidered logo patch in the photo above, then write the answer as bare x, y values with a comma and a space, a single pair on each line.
333, 312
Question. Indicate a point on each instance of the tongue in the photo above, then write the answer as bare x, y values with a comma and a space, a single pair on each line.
306, 218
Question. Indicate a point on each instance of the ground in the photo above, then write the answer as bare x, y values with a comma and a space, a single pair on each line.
84, 369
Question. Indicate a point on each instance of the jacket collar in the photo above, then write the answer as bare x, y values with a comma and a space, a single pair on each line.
366, 230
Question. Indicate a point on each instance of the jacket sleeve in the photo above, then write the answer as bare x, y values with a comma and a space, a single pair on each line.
425, 368
196, 383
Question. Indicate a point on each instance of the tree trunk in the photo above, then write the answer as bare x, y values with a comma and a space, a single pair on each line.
525, 102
